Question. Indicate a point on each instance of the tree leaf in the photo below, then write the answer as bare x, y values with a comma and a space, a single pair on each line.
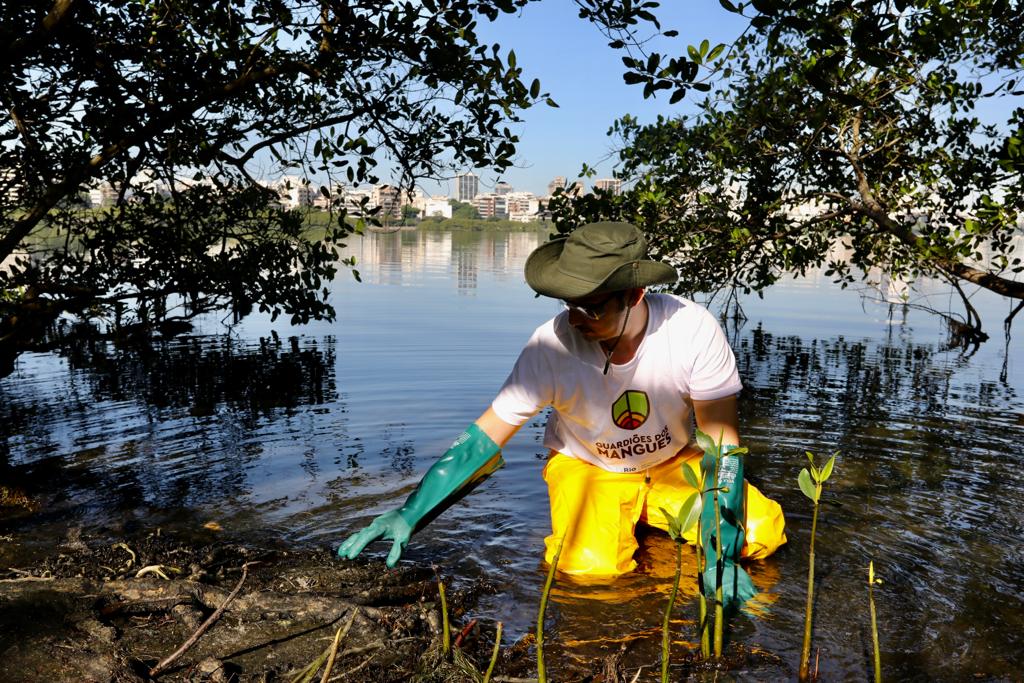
807, 487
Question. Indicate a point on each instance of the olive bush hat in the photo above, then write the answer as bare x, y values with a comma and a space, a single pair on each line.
595, 258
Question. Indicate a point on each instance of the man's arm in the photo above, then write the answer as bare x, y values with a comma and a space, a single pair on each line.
719, 419
496, 428
473, 456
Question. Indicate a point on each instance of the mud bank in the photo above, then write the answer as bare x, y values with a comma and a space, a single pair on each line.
113, 612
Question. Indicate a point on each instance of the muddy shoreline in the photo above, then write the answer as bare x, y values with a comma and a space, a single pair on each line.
101, 611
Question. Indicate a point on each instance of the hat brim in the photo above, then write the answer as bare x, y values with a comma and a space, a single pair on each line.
545, 278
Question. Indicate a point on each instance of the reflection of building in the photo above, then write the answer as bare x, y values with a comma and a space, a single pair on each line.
467, 185
612, 185
406, 257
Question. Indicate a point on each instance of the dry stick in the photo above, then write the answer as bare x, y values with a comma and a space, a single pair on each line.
494, 655
541, 675
465, 632
159, 668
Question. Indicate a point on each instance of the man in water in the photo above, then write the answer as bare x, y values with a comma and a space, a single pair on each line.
626, 373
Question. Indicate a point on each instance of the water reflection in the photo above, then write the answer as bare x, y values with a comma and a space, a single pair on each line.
188, 422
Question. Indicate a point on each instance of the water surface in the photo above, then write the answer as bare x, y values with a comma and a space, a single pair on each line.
306, 433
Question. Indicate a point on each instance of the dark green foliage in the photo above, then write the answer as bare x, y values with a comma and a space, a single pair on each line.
140, 92
849, 123
464, 211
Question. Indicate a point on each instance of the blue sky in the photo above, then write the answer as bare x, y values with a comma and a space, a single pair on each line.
584, 76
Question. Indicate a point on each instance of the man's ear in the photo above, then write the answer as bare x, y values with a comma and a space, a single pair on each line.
635, 296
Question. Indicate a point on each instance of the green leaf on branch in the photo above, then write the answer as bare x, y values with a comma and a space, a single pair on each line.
690, 512
807, 486
690, 477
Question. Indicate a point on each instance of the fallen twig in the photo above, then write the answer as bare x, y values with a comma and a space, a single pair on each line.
157, 569
464, 632
159, 668
27, 578
345, 676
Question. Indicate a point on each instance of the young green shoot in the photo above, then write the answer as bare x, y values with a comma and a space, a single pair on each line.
541, 674
811, 481
702, 622
874, 625
688, 515
446, 636
709, 445
494, 654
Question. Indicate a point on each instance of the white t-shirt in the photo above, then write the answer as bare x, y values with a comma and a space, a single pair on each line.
636, 416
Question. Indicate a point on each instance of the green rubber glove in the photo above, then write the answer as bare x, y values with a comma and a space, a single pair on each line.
470, 460
737, 587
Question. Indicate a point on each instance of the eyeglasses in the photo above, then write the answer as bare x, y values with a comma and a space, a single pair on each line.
594, 310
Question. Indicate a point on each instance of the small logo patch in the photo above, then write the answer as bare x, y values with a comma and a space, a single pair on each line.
631, 409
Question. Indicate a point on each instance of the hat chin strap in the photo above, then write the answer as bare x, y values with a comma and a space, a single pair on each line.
608, 356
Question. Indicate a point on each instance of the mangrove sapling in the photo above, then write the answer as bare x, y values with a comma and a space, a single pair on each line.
541, 674
688, 515
811, 480
713, 448
702, 621
874, 625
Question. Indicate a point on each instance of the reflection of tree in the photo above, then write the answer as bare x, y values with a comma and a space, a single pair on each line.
172, 424
923, 486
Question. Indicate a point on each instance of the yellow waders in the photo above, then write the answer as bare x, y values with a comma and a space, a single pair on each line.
597, 512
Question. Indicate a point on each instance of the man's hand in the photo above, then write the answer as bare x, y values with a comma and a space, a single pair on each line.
389, 526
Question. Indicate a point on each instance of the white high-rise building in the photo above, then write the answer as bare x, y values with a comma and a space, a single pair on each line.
467, 186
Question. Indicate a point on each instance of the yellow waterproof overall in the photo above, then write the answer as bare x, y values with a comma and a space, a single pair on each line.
597, 512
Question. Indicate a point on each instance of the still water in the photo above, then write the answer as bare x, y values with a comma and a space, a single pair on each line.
304, 433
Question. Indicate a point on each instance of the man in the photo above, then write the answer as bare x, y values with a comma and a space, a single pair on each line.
624, 372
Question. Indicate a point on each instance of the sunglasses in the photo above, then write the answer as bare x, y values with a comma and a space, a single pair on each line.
593, 310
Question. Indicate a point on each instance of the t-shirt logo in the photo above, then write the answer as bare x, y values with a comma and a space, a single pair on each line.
631, 409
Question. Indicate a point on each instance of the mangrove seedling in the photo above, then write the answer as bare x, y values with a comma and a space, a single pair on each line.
811, 481
874, 625
702, 602
541, 674
688, 515
715, 451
